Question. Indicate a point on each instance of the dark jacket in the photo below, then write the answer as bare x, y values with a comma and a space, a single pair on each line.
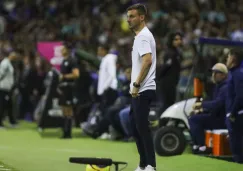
234, 100
169, 72
216, 107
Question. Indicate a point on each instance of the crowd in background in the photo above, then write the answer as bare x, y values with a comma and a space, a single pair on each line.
86, 24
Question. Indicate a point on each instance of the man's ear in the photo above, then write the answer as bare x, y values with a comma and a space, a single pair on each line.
142, 17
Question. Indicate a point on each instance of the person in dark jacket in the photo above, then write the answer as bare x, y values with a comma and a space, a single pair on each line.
212, 113
82, 94
69, 73
234, 104
27, 84
169, 73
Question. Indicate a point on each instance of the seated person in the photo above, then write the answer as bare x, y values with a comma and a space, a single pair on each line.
125, 123
212, 113
111, 114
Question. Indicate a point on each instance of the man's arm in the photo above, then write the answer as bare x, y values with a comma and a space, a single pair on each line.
73, 75
144, 50
214, 106
146, 64
75, 71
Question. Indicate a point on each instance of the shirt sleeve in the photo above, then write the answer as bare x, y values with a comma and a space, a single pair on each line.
144, 46
3, 70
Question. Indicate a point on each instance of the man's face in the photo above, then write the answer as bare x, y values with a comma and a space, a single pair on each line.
64, 51
218, 77
177, 42
13, 56
134, 19
101, 52
230, 61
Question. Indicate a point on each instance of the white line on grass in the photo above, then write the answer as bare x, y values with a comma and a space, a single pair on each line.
4, 147
4, 169
79, 151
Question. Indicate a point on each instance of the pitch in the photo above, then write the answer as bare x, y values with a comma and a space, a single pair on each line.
25, 149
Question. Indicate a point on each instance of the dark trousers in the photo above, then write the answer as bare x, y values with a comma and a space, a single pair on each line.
116, 123
111, 117
166, 97
81, 113
6, 105
139, 112
25, 105
107, 99
236, 137
200, 122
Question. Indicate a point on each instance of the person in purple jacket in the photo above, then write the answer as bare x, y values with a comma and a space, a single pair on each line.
234, 104
212, 112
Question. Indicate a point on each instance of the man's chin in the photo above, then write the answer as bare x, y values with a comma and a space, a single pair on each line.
131, 27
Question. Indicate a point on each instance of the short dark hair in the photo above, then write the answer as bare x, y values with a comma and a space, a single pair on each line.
238, 54
141, 8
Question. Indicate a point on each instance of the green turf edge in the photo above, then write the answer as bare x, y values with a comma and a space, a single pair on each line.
7, 167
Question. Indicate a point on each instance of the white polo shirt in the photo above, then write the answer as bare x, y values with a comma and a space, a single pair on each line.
6, 75
107, 74
143, 43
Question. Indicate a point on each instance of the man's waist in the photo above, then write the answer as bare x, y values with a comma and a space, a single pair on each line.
145, 84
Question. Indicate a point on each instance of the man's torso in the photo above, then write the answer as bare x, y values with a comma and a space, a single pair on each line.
7, 75
236, 74
149, 81
67, 67
104, 74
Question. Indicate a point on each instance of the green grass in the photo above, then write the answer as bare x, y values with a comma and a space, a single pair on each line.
27, 150
4, 167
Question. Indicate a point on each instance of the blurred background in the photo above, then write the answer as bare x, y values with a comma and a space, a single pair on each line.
37, 29
30, 28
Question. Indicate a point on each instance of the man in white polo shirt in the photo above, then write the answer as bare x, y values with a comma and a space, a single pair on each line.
107, 82
6, 85
143, 85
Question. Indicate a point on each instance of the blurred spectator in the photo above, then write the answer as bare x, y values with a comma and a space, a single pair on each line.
86, 24
69, 73
82, 94
6, 87
2, 25
169, 73
125, 122
27, 87
234, 105
107, 82
212, 112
